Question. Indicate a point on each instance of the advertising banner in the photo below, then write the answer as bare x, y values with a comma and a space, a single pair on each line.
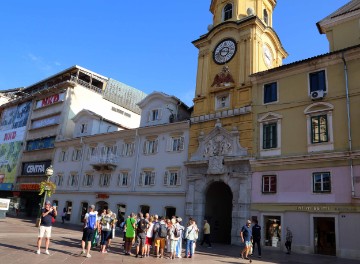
50, 100
12, 135
7, 118
9, 156
48, 121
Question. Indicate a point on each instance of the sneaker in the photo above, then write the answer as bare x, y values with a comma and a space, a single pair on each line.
88, 255
38, 251
82, 252
47, 252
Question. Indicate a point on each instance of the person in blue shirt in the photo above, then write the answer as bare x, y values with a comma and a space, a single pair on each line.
246, 238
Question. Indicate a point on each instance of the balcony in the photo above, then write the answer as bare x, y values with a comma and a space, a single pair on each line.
104, 162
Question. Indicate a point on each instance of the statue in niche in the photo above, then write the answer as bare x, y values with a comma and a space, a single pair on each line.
217, 146
223, 78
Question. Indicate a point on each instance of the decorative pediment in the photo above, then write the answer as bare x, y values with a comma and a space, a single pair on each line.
269, 117
219, 143
318, 107
223, 78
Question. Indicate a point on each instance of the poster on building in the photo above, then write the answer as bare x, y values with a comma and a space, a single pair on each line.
9, 156
22, 114
7, 118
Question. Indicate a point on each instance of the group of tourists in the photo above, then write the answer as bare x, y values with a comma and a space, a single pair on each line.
159, 236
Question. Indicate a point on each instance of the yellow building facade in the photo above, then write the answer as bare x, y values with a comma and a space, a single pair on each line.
272, 142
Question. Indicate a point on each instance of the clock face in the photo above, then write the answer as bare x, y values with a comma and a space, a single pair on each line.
268, 59
224, 51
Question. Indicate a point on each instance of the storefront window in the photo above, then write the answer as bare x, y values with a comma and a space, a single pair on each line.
272, 231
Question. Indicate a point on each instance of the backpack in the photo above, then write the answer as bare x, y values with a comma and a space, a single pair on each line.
91, 221
176, 232
141, 226
162, 231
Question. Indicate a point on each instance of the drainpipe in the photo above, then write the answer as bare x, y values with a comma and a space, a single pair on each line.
137, 138
349, 126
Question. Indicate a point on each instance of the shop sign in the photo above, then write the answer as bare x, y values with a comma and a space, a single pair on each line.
29, 187
50, 100
8, 136
102, 196
6, 186
45, 122
4, 204
35, 168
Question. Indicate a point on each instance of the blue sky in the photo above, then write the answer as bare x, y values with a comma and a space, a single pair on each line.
147, 46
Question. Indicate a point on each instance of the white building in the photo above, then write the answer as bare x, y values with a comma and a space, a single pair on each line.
129, 170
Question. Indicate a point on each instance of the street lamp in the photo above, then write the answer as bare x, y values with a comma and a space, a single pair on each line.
48, 172
45, 188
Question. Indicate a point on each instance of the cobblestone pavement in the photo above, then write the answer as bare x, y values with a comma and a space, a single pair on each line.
18, 245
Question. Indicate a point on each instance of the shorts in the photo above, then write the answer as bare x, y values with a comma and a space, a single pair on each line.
45, 231
140, 239
248, 244
160, 242
173, 244
148, 241
88, 235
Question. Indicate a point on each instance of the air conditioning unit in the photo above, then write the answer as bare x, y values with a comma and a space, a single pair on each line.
316, 95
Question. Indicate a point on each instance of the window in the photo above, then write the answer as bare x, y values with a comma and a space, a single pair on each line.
73, 180
227, 13
269, 184
269, 136
88, 180
222, 101
321, 182
123, 179
319, 129
151, 146
155, 115
63, 156
128, 149
91, 152
270, 93
147, 178
42, 143
104, 180
175, 144
83, 128
77, 153
317, 81
172, 178
266, 17
59, 180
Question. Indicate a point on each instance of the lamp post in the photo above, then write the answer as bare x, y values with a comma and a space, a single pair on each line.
48, 173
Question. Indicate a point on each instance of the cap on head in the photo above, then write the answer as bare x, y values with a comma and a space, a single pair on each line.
179, 219
92, 207
47, 202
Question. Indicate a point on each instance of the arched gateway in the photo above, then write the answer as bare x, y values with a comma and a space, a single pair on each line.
219, 184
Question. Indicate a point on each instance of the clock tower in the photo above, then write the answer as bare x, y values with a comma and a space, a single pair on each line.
239, 42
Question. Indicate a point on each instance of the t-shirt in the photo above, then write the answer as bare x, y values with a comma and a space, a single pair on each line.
106, 223
46, 220
206, 229
256, 231
150, 230
86, 218
130, 230
247, 233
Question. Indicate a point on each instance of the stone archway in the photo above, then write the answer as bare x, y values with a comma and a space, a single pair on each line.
218, 211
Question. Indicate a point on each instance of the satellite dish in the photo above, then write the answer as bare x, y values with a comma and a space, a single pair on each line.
250, 11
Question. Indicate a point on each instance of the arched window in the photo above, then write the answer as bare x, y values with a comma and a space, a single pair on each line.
266, 17
227, 12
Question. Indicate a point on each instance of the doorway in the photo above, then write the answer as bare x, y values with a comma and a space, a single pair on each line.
84, 209
218, 211
324, 236
101, 206
170, 212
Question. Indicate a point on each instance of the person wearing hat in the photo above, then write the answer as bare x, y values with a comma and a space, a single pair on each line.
47, 215
90, 224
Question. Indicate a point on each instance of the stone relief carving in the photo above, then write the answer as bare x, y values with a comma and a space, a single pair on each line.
223, 78
219, 143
